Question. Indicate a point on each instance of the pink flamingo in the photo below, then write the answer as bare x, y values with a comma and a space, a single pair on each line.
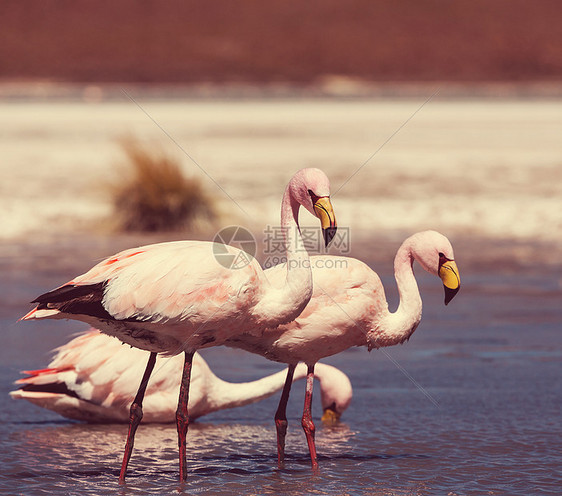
175, 297
91, 378
349, 308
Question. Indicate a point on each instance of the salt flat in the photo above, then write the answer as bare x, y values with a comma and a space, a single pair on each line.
490, 168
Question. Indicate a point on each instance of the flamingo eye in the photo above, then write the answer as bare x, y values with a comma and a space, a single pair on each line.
441, 255
313, 197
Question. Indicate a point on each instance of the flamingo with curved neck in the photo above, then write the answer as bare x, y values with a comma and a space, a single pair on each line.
349, 308
176, 297
92, 379
284, 300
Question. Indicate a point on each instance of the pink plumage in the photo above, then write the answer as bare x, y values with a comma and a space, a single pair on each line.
348, 308
93, 378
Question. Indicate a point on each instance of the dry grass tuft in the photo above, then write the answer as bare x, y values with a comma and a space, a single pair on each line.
154, 195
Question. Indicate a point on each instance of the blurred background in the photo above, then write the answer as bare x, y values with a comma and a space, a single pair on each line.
443, 114
124, 123
281, 42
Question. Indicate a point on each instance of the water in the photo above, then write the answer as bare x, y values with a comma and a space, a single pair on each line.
491, 360
473, 409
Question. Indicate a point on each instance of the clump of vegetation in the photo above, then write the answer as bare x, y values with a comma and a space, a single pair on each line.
154, 195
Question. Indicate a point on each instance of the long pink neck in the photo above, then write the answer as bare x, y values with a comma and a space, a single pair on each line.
230, 395
396, 327
280, 305
410, 300
296, 251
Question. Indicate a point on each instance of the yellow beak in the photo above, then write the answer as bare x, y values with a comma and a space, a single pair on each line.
449, 274
330, 417
325, 212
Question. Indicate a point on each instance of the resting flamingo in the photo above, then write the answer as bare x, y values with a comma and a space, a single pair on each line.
175, 297
91, 378
349, 308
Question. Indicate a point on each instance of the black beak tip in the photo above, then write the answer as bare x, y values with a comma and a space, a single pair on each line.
329, 234
450, 294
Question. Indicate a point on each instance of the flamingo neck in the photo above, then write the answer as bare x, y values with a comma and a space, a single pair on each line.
298, 263
335, 388
280, 305
397, 327
334, 385
232, 395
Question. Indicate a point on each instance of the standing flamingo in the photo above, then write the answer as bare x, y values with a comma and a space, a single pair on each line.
91, 379
175, 297
349, 308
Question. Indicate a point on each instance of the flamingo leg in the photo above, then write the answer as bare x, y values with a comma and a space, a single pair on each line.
135, 416
281, 416
307, 423
182, 416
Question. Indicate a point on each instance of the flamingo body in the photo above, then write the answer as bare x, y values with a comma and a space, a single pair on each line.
349, 308
93, 378
337, 317
160, 297
176, 297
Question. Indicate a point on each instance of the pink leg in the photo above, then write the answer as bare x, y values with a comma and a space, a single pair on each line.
281, 416
136, 416
307, 423
182, 417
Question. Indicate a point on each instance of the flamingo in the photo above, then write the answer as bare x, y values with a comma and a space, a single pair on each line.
91, 378
176, 297
349, 308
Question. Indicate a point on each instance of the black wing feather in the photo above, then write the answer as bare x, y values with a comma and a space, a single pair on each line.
76, 299
53, 387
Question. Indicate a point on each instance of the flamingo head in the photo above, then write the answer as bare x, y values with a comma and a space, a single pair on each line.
311, 188
335, 393
435, 254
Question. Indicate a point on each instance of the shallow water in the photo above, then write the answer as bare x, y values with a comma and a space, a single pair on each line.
486, 419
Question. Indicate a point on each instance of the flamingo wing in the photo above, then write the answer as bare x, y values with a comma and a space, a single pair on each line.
178, 281
94, 377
